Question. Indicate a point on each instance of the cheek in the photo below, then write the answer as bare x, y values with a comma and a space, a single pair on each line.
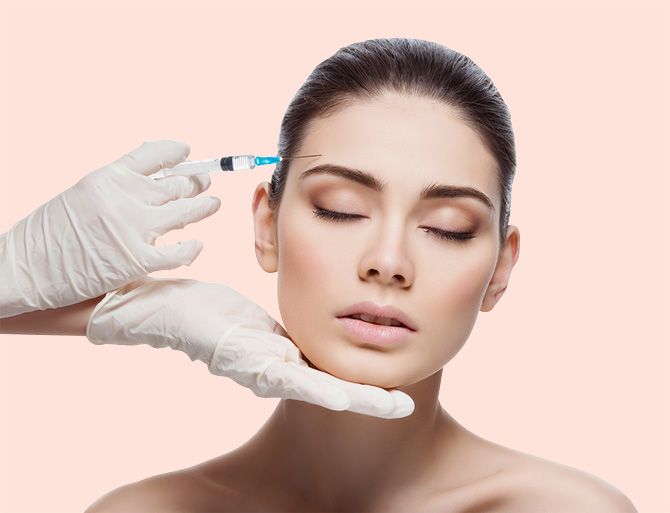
305, 272
457, 293
466, 285
459, 276
300, 255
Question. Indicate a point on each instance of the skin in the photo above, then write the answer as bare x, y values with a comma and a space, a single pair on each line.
387, 257
68, 320
307, 458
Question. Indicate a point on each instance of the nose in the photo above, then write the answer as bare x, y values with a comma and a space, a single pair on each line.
387, 260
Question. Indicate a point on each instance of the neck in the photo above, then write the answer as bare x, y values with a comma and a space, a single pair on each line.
333, 456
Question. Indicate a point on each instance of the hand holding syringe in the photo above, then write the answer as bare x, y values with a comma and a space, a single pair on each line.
234, 163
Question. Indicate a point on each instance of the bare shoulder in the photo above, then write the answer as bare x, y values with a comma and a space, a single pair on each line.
164, 493
543, 485
179, 491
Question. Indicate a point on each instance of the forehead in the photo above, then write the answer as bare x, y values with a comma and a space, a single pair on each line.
409, 142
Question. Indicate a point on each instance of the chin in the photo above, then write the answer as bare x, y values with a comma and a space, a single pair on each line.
373, 371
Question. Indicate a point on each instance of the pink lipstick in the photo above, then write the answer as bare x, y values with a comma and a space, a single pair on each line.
375, 324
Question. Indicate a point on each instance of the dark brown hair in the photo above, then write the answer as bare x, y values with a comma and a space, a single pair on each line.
414, 67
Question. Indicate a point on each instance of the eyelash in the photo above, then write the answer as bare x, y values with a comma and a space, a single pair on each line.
329, 215
335, 216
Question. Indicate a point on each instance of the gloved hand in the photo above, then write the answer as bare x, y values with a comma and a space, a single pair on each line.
235, 338
99, 234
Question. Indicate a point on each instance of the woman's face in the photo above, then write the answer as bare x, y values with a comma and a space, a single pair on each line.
391, 225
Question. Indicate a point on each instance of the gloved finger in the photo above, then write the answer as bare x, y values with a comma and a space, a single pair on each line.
404, 406
154, 155
289, 380
174, 187
173, 256
371, 400
365, 399
177, 214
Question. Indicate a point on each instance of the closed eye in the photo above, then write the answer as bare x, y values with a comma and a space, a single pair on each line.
330, 215
453, 236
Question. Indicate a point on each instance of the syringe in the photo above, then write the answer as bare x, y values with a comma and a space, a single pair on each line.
234, 163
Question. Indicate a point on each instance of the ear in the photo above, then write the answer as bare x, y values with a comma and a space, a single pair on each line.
265, 232
506, 260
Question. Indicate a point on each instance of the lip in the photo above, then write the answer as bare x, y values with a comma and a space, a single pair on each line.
376, 334
370, 308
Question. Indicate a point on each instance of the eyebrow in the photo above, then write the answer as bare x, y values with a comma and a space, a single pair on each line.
432, 191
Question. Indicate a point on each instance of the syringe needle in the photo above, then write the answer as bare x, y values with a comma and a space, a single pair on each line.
300, 157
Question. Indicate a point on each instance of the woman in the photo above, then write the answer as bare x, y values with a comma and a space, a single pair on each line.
386, 247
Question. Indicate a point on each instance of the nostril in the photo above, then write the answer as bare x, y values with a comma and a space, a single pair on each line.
374, 272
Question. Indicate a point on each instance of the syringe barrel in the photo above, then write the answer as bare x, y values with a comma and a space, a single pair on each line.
234, 163
193, 168
238, 162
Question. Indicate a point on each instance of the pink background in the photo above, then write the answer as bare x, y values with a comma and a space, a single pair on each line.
572, 365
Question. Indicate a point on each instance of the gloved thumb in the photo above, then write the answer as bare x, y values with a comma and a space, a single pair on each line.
155, 155
172, 256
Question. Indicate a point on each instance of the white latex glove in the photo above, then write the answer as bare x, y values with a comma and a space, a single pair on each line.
99, 234
235, 338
